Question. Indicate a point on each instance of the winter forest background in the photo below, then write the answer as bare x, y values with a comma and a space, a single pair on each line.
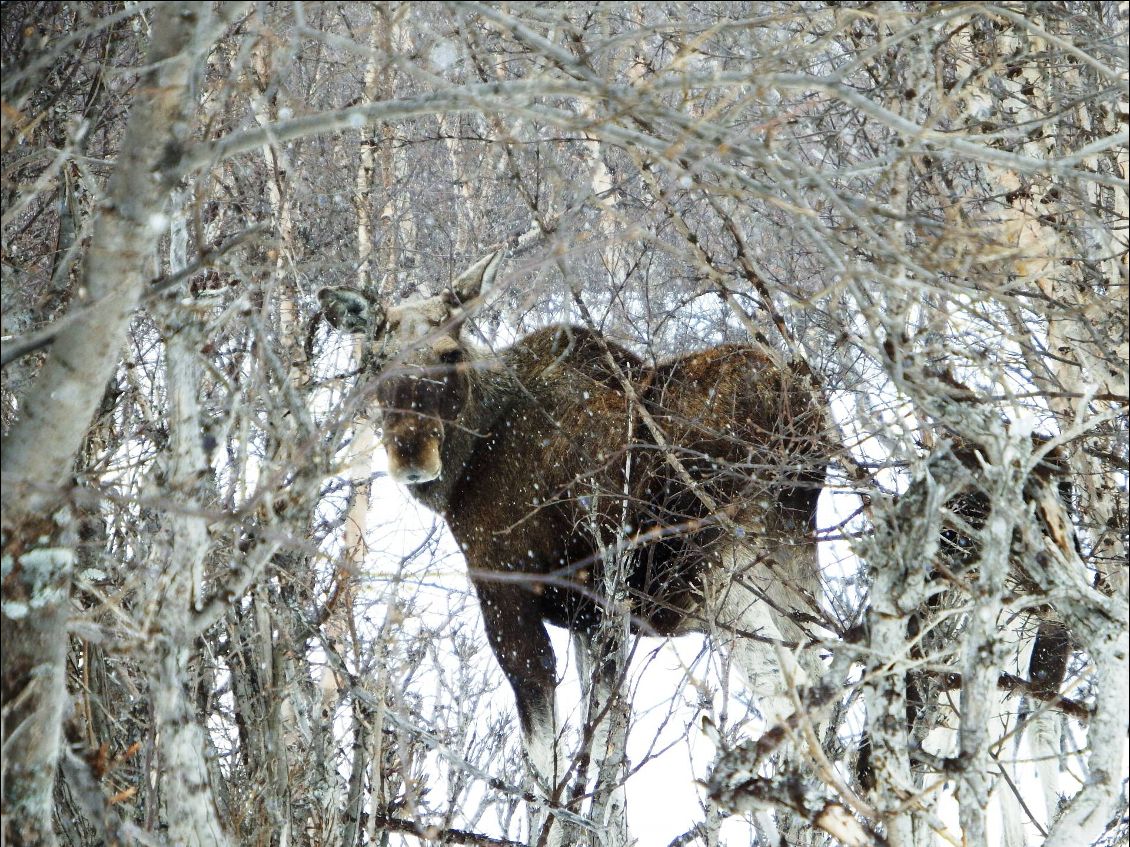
223, 625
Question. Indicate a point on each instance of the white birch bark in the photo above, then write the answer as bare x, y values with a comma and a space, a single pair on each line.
190, 809
982, 648
905, 538
397, 217
1102, 624
340, 624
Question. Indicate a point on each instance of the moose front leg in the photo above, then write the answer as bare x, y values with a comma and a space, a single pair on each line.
513, 623
512, 619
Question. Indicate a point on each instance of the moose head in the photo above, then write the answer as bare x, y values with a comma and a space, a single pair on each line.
415, 350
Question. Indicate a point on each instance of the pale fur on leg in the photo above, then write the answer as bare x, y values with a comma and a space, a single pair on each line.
542, 754
735, 606
748, 597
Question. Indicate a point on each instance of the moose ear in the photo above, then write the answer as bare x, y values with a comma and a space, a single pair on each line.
350, 310
477, 278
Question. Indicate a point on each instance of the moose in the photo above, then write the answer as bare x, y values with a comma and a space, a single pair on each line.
566, 455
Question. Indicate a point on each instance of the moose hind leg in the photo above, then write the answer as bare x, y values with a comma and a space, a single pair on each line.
752, 606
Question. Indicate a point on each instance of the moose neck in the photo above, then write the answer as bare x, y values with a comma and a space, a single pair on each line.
492, 391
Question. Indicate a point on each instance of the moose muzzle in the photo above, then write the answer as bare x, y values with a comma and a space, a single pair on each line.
413, 445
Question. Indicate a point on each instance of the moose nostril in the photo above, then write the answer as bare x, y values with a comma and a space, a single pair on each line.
412, 476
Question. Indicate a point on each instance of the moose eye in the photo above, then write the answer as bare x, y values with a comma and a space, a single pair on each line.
451, 357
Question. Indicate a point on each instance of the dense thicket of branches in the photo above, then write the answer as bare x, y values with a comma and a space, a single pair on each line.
211, 638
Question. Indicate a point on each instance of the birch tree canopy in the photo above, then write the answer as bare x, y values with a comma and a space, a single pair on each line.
224, 622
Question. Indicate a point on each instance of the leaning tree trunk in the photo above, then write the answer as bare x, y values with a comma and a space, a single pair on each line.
39, 450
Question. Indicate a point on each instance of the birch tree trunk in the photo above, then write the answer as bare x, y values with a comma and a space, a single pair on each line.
190, 807
39, 450
341, 624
